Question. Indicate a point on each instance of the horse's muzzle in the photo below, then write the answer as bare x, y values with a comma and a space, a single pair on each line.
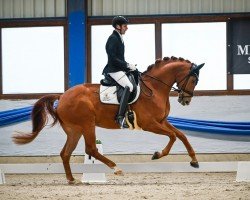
184, 100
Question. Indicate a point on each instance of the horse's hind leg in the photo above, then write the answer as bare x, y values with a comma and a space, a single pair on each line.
70, 145
91, 149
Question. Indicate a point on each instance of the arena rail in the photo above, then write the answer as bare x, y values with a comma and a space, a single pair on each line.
31, 168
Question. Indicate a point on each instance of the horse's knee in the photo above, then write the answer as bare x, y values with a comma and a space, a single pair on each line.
172, 138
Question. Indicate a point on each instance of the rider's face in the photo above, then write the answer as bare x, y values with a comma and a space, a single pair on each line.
123, 28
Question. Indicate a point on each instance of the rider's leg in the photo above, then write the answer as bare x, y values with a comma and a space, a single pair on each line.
121, 78
120, 118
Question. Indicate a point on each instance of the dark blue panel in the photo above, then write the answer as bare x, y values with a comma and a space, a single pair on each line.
239, 46
77, 44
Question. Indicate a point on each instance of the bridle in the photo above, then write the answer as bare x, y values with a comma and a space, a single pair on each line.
181, 91
186, 78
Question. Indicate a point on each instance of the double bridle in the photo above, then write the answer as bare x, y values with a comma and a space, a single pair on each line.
182, 90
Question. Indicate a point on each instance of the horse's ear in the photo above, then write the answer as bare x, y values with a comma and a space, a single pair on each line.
196, 68
199, 67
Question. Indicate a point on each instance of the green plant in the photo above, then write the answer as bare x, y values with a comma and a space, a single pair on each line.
98, 142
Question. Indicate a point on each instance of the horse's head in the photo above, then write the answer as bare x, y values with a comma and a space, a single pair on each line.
187, 83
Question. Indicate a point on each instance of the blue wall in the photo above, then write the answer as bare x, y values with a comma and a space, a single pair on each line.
77, 42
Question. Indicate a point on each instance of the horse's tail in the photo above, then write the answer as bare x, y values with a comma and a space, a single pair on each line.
39, 119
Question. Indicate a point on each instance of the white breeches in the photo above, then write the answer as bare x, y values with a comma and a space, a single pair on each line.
122, 79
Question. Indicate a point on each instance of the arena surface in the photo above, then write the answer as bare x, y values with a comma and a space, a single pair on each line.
155, 186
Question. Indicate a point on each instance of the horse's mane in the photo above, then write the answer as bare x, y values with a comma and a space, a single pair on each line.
166, 60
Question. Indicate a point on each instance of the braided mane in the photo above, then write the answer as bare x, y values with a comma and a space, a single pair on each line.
166, 60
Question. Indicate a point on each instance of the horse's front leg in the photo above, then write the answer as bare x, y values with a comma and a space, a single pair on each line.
185, 141
165, 128
162, 129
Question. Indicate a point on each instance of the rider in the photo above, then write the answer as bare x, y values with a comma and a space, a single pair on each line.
117, 66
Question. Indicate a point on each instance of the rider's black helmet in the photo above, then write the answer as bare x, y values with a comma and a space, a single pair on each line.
119, 20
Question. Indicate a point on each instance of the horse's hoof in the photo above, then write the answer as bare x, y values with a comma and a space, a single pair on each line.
155, 156
194, 164
118, 171
75, 182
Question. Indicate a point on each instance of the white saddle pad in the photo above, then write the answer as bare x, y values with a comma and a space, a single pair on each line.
108, 95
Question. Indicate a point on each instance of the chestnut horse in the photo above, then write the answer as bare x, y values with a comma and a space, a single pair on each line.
79, 110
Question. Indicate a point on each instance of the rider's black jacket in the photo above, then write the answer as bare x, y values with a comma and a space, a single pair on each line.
115, 51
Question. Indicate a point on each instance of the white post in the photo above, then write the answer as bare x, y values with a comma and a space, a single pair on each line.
2, 177
94, 177
243, 171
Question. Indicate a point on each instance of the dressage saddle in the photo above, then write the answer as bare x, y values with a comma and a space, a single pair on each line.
134, 79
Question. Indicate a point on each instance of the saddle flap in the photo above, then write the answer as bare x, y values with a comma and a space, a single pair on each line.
108, 95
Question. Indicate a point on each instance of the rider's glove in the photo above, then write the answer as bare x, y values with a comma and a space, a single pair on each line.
132, 67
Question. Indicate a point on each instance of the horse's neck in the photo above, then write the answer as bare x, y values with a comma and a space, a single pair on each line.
167, 77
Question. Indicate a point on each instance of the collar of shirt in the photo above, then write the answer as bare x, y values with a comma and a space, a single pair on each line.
120, 36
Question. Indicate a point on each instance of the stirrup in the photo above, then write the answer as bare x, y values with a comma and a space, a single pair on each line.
122, 122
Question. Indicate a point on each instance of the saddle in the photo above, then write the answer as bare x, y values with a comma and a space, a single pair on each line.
111, 91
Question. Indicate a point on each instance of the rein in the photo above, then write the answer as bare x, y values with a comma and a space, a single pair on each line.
157, 79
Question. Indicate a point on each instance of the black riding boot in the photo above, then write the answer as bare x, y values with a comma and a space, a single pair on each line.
120, 119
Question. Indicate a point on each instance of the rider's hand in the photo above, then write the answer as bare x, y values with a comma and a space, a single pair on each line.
132, 67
